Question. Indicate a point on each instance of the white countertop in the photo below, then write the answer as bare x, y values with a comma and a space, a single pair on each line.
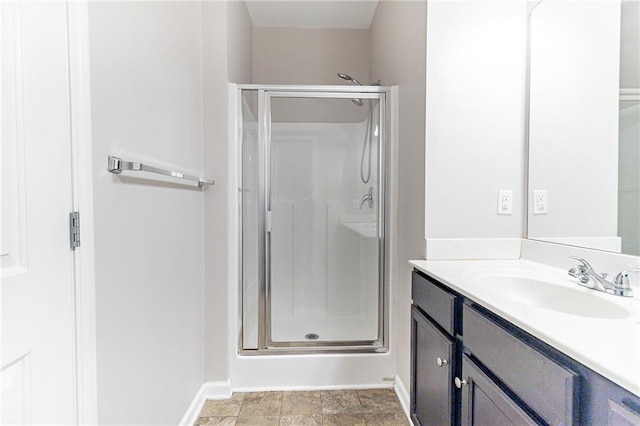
610, 347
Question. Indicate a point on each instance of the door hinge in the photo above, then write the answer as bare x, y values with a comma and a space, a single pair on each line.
74, 230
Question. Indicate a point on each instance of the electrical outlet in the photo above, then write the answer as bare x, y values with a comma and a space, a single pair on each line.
540, 201
505, 201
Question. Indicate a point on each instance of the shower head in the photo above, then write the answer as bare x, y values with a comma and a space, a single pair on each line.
354, 81
349, 78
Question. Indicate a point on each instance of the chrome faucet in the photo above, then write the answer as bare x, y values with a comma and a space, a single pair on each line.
589, 278
368, 197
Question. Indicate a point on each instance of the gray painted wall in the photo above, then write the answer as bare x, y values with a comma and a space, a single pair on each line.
398, 50
227, 50
309, 56
146, 93
475, 117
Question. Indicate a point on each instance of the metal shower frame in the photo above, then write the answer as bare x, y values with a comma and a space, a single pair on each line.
265, 94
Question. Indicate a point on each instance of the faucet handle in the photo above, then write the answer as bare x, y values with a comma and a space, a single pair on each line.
622, 279
583, 261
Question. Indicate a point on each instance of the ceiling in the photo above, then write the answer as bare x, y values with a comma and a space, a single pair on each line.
312, 13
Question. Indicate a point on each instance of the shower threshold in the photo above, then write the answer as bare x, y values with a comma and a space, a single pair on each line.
322, 348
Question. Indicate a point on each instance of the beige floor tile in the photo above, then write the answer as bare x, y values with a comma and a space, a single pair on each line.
340, 401
315, 420
216, 420
364, 407
222, 407
258, 421
386, 419
379, 400
261, 404
299, 403
351, 419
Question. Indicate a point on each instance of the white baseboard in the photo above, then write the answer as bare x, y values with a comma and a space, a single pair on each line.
311, 388
403, 396
473, 248
209, 390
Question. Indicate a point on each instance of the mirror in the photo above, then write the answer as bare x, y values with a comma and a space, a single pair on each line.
584, 124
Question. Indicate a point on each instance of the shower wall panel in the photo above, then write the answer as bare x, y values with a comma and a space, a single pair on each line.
319, 272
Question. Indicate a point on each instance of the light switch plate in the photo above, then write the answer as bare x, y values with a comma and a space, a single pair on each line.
540, 201
505, 201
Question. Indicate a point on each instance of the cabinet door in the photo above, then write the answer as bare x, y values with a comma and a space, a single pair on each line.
484, 403
547, 387
622, 415
432, 388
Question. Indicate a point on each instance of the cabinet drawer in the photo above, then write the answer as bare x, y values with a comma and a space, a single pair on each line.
545, 386
436, 302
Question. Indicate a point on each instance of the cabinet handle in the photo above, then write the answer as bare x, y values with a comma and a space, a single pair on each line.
441, 362
459, 382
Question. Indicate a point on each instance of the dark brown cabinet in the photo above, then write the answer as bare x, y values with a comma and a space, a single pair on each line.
432, 387
485, 403
434, 353
469, 366
546, 387
621, 414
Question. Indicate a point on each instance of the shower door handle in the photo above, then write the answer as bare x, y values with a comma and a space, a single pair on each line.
268, 221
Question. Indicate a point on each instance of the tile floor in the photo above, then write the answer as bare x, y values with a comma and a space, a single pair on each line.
354, 407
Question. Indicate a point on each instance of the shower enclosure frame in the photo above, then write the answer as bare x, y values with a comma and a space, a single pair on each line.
265, 94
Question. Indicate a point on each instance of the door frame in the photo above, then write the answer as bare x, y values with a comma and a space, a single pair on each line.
82, 199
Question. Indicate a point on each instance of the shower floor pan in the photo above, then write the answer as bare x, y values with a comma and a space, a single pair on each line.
326, 329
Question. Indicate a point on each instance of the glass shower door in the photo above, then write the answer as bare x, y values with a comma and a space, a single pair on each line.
324, 237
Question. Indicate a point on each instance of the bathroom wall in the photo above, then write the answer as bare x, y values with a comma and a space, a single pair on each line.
474, 118
309, 56
397, 46
227, 50
239, 43
146, 91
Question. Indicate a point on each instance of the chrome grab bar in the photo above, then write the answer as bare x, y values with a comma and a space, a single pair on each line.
117, 165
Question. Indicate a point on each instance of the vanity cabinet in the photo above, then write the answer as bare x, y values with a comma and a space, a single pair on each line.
622, 415
432, 394
485, 403
546, 388
433, 354
496, 373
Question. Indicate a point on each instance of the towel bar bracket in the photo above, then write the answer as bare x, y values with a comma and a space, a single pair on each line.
117, 165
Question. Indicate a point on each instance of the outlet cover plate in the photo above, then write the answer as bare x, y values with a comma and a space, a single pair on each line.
505, 201
540, 201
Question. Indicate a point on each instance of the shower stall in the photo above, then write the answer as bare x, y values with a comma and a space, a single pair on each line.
313, 218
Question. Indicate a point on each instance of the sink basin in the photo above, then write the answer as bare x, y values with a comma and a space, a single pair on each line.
553, 297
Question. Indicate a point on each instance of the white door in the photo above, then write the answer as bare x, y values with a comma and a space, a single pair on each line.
37, 298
